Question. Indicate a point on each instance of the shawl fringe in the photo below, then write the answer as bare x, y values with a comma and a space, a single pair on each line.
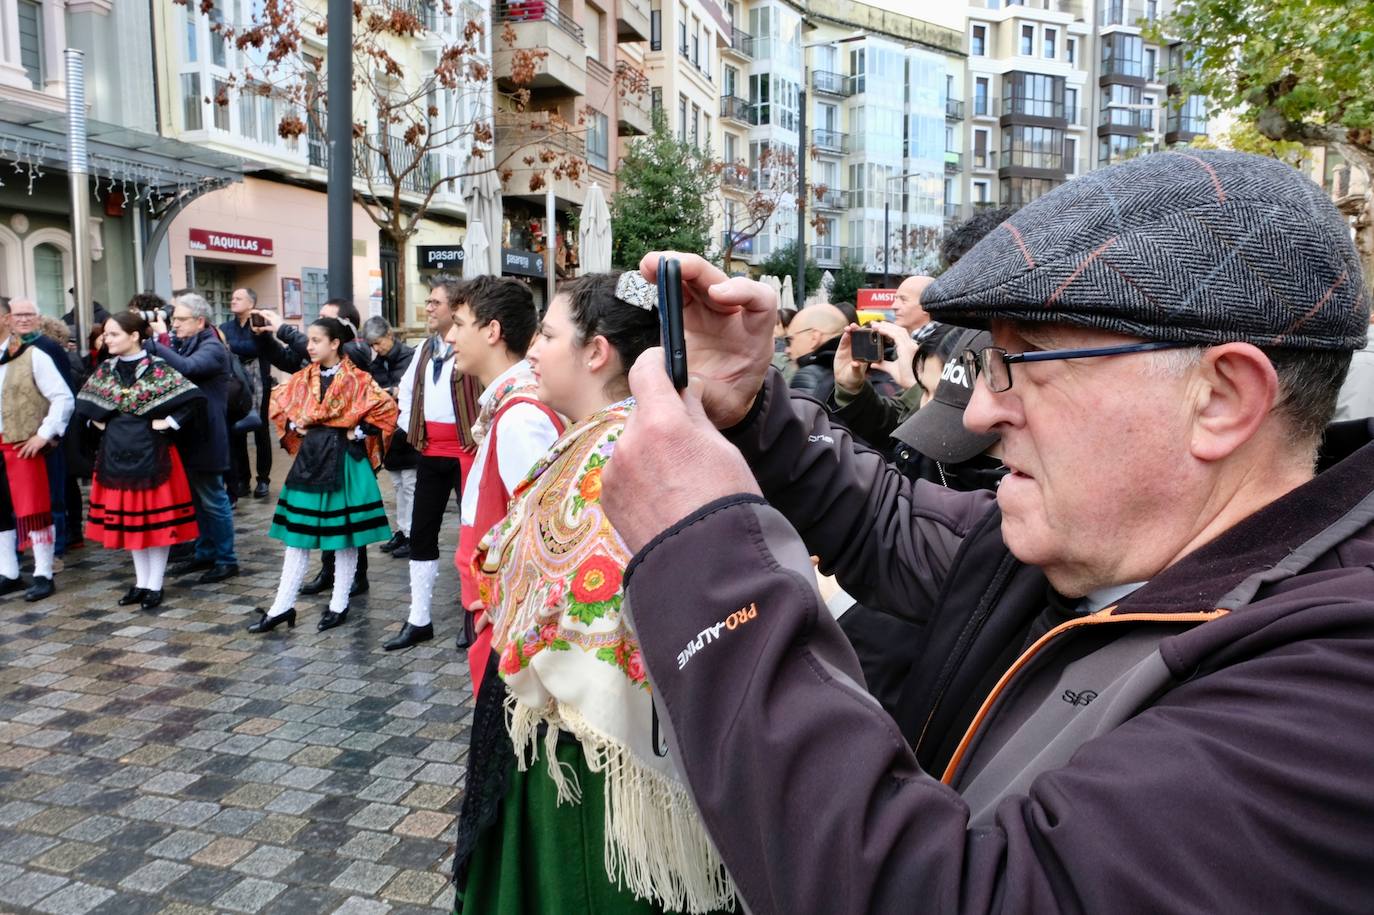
656, 845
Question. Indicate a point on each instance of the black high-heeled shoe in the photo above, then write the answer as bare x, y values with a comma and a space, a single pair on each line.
152, 599
329, 619
134, 595
268, 623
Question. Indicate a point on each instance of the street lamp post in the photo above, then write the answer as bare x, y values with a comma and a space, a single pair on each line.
339, 132
801, 198
887, 231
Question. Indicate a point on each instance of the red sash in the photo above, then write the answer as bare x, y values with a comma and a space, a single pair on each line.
441, 440
493, 499
28, 484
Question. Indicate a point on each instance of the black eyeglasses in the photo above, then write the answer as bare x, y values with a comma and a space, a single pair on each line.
993, 363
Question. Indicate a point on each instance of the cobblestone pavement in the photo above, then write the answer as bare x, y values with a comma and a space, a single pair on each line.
168, 761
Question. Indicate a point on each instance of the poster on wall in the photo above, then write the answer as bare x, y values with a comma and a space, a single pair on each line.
374, 293
291, 298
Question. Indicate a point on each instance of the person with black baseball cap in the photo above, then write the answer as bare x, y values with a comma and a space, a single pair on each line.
1146, 661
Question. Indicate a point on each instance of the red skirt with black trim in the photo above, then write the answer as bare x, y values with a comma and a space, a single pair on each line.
136, 519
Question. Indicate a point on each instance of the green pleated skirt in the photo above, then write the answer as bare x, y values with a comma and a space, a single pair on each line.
351, 516
540, 858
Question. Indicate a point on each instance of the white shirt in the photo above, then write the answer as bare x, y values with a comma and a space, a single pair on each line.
438, 394
49, 381
1356, 398
526, 435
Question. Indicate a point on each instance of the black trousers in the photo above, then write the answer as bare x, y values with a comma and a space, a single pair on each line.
435, 479
327, 564
242, 472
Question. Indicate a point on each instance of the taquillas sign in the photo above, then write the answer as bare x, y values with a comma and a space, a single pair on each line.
228, 243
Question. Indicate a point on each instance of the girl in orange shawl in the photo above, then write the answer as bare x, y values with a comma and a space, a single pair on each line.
336, 421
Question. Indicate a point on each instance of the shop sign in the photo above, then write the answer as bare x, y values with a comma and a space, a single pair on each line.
522, 263
876, 298
228, 243
440, 257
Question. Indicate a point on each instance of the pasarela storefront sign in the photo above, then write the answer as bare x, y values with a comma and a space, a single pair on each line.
230, 243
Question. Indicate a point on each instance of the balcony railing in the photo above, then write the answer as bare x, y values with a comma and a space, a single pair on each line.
740, 181
951, 212
1118, 12
830, 140
986, 160
954, 109
830, 199
1135, 118
825, 254
954, 161
734, 108
1123, 66
538, 11
829, 83
741, 42
1031, 107
372, 154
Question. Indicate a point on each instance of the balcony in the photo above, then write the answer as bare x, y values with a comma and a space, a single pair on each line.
528, 133
954, 162
743, 247
952, 213
740, 43
632, 20
954, 109
540, 26
986, 161
379, 157
825, 82
1182, 128
1031, 110
1118, 69
635, 117
1118, 12
831, 141
829, 199
1126, 120
734, 180
826, 255
734, 108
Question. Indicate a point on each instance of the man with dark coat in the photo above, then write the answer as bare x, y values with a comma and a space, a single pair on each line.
812, 339
1145, 664
198, 353
390, 359
238, 334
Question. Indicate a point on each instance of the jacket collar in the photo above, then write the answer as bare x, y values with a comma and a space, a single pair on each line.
826, 349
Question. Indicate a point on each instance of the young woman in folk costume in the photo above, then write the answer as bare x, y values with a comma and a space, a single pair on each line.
570, 807
336, 421
140, 499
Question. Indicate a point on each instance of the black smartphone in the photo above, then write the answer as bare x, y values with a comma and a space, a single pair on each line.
670, 320
867, 345
256, 320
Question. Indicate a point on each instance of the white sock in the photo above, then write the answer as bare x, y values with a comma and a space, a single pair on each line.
293, 566
345, 567
9, 559
140, 558
43, 548
155, 558
422, 575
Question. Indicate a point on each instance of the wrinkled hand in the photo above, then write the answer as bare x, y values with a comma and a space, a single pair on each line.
670, 461
850, 374
274, 321
33, 446
902, 368
159, 327
728, 324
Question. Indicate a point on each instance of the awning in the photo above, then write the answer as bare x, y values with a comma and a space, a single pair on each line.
32, 139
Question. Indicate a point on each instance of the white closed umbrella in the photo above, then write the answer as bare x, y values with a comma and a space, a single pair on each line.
594, 233
772, 282
482, 194
789, 299
476, 259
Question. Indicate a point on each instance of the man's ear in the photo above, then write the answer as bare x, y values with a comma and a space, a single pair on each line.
1239, 388
493, 332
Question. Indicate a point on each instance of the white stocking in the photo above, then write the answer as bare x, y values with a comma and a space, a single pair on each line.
9, 559
422, 575
43, 548
293, 566
140, 568
156, 559
345, 567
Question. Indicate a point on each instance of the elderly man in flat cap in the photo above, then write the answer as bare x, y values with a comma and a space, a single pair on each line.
1147, 661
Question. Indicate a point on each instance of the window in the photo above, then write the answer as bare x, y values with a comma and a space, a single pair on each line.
1071, 156
1148, 111
595, 31
1116, 147
980, 192
221, 112
191, 101
978, 45
731, 149
1033, 94
730, 80
980, 95
1021, 191
49, 279
682, 30
857, 77
682, 117
1121, 107
598, 140
696, 125
1071, 49
1033, 147
1123, 55
1048, 43
31, 40
656, 98
1151, 63
980, 148
218, 56
696, 43
1071, 111
656, 30
192, 52
1027, 40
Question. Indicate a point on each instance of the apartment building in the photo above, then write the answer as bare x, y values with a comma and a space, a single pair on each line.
859, 96
589, 92
1056, 88
135, 174
267, 232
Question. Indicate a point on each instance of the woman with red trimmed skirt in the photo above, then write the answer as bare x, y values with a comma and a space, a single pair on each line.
140, 499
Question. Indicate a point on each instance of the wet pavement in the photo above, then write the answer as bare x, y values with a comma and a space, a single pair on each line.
168, 761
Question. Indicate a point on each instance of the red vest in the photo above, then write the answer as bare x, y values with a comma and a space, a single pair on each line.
493, 499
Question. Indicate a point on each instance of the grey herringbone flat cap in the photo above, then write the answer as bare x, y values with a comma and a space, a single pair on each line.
1197, 246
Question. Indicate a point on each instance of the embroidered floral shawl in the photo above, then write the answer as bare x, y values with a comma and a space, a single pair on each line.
158, 389
552, 573
353, 398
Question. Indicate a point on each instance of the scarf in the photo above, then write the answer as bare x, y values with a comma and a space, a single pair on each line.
353, 398
552, 572
463, 390
158, 389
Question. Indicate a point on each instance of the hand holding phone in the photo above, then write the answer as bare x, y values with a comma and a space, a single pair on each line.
256, 320
671, 334
869, 345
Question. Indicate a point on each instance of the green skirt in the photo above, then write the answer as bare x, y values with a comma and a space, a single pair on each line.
540, 858
348, 517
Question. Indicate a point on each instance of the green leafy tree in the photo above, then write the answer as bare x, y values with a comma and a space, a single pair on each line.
849, 279
1299, 71
666, 186
783, 261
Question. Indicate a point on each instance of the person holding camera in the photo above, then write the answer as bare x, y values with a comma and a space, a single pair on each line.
238, 333
812, 338
390, 359
1145, 663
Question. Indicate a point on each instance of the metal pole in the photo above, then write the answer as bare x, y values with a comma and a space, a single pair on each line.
78, 169
886, 205
339, 134
801, 199
550, 244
